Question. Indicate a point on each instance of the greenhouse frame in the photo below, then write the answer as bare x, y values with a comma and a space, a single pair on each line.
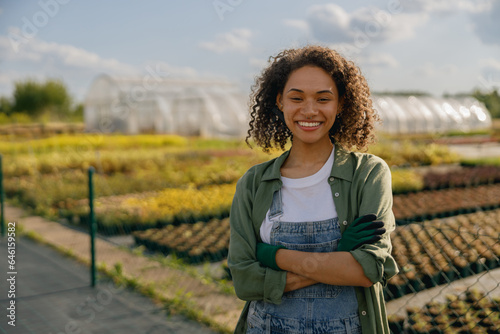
215, 108
428, 114
207, 108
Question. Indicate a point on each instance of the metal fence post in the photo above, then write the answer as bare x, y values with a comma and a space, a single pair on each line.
2, 218
92, 227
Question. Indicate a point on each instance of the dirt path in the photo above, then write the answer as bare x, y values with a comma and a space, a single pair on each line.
205, 297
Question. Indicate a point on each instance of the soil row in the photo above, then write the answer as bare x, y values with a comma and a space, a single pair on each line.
470, 312
431, 204
193, 243
443, 250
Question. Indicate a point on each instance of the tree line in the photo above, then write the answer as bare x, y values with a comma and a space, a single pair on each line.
491, 100
40, 101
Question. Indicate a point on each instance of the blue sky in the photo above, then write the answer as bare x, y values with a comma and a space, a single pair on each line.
435, 46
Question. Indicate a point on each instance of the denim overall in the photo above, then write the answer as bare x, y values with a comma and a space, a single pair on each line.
319, 308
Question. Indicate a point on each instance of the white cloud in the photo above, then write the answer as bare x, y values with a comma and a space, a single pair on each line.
258, 63
426, 70
37, 50
490, 64
301, 25
487, 24
39, 60
236, 40
6, 78
449, 69
490, 73
329, 23
332, 24
484, 14
446, 6
164, 69
431, 70
379, 60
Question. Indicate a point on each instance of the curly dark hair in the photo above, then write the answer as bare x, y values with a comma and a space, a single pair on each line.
354, 125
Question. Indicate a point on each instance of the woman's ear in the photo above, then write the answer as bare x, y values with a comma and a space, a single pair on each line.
279, 101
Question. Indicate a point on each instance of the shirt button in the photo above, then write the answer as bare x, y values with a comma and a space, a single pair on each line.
337, 194
344, 222
363, 313
331, 178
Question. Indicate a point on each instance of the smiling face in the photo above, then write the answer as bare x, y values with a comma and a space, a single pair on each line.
310, 102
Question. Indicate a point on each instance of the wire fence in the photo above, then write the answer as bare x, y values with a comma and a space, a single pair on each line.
162, 226
448, 281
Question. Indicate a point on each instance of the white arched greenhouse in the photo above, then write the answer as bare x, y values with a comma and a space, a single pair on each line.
186, 107
212, 108
427, 114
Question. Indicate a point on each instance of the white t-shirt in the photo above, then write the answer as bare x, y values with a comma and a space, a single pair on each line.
304, 200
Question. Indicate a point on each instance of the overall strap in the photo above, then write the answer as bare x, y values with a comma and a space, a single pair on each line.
276, 209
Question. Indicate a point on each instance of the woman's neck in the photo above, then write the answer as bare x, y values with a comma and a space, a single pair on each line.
305, 160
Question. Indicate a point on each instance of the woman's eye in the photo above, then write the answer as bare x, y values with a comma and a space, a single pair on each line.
296, 99
324, 100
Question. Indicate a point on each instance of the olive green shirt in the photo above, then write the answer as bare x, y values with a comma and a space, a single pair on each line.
361, 184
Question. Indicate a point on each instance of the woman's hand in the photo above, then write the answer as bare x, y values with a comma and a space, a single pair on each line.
363, 230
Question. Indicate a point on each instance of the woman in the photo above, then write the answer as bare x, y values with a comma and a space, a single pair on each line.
310, 230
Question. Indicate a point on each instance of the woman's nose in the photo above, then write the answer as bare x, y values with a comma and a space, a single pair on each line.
309, 109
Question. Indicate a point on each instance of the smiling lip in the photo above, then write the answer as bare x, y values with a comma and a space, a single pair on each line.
308, 126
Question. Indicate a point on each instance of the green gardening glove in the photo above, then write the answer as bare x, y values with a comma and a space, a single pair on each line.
266, 254
363, 230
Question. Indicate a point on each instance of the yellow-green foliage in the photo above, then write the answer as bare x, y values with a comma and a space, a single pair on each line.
489, 161
87, 142
164, 207
50, 174
407, 153
405, 180
14, 118
47, 188
149, 160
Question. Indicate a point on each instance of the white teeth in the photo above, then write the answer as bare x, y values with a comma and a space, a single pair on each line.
309, 124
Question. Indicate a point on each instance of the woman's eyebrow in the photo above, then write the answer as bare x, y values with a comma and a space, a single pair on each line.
295, 90
301, 91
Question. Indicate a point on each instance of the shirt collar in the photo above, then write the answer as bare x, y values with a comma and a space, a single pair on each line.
273, 172
342, 166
